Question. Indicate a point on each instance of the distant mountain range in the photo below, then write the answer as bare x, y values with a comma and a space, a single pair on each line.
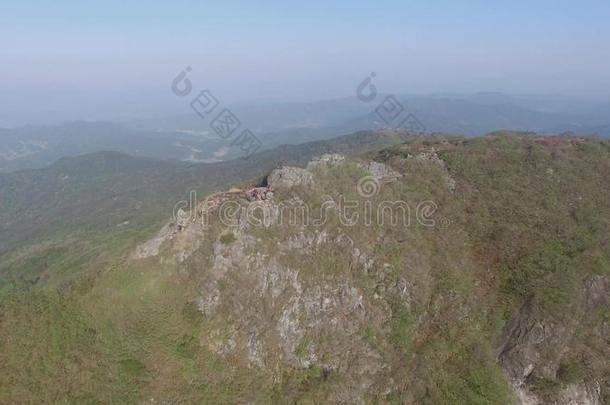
102, 190
190, 138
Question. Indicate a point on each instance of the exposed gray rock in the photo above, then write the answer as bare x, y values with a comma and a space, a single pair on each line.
597, 292
259, 214
288, 177
451, 183
580, 394
290, 329
432, 157
381, 172
256, 354
326, 160
523, 395
259, 194
534, 344
151, 247
305, 243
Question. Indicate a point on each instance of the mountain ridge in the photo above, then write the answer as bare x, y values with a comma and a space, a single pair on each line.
497, 293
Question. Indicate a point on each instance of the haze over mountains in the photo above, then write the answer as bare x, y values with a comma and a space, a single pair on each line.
188, 137
276, 202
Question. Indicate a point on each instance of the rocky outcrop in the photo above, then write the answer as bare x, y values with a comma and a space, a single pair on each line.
151, 247
259, 194
326, 160
580, 394
528, 336
535, 344
289, 299
288, 177
380, 172
431, 156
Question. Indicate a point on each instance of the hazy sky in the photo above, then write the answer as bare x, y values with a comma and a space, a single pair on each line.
106, 57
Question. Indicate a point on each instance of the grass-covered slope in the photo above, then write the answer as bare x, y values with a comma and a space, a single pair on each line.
499, 293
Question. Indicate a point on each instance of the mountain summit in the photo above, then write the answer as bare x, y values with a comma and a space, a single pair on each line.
349, 279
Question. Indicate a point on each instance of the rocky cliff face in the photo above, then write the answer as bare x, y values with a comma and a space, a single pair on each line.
287, 297
536, 343
368, 309
434, 272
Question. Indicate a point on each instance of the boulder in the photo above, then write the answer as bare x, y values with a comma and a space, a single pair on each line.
328, 159
381, 172
288, 177
259, 194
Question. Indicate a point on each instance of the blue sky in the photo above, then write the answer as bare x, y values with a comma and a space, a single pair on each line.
54, 53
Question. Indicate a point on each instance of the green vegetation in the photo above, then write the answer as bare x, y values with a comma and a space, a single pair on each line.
301, 314
571, 372
227, 238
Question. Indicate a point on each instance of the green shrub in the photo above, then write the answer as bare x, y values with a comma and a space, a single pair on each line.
227, 238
